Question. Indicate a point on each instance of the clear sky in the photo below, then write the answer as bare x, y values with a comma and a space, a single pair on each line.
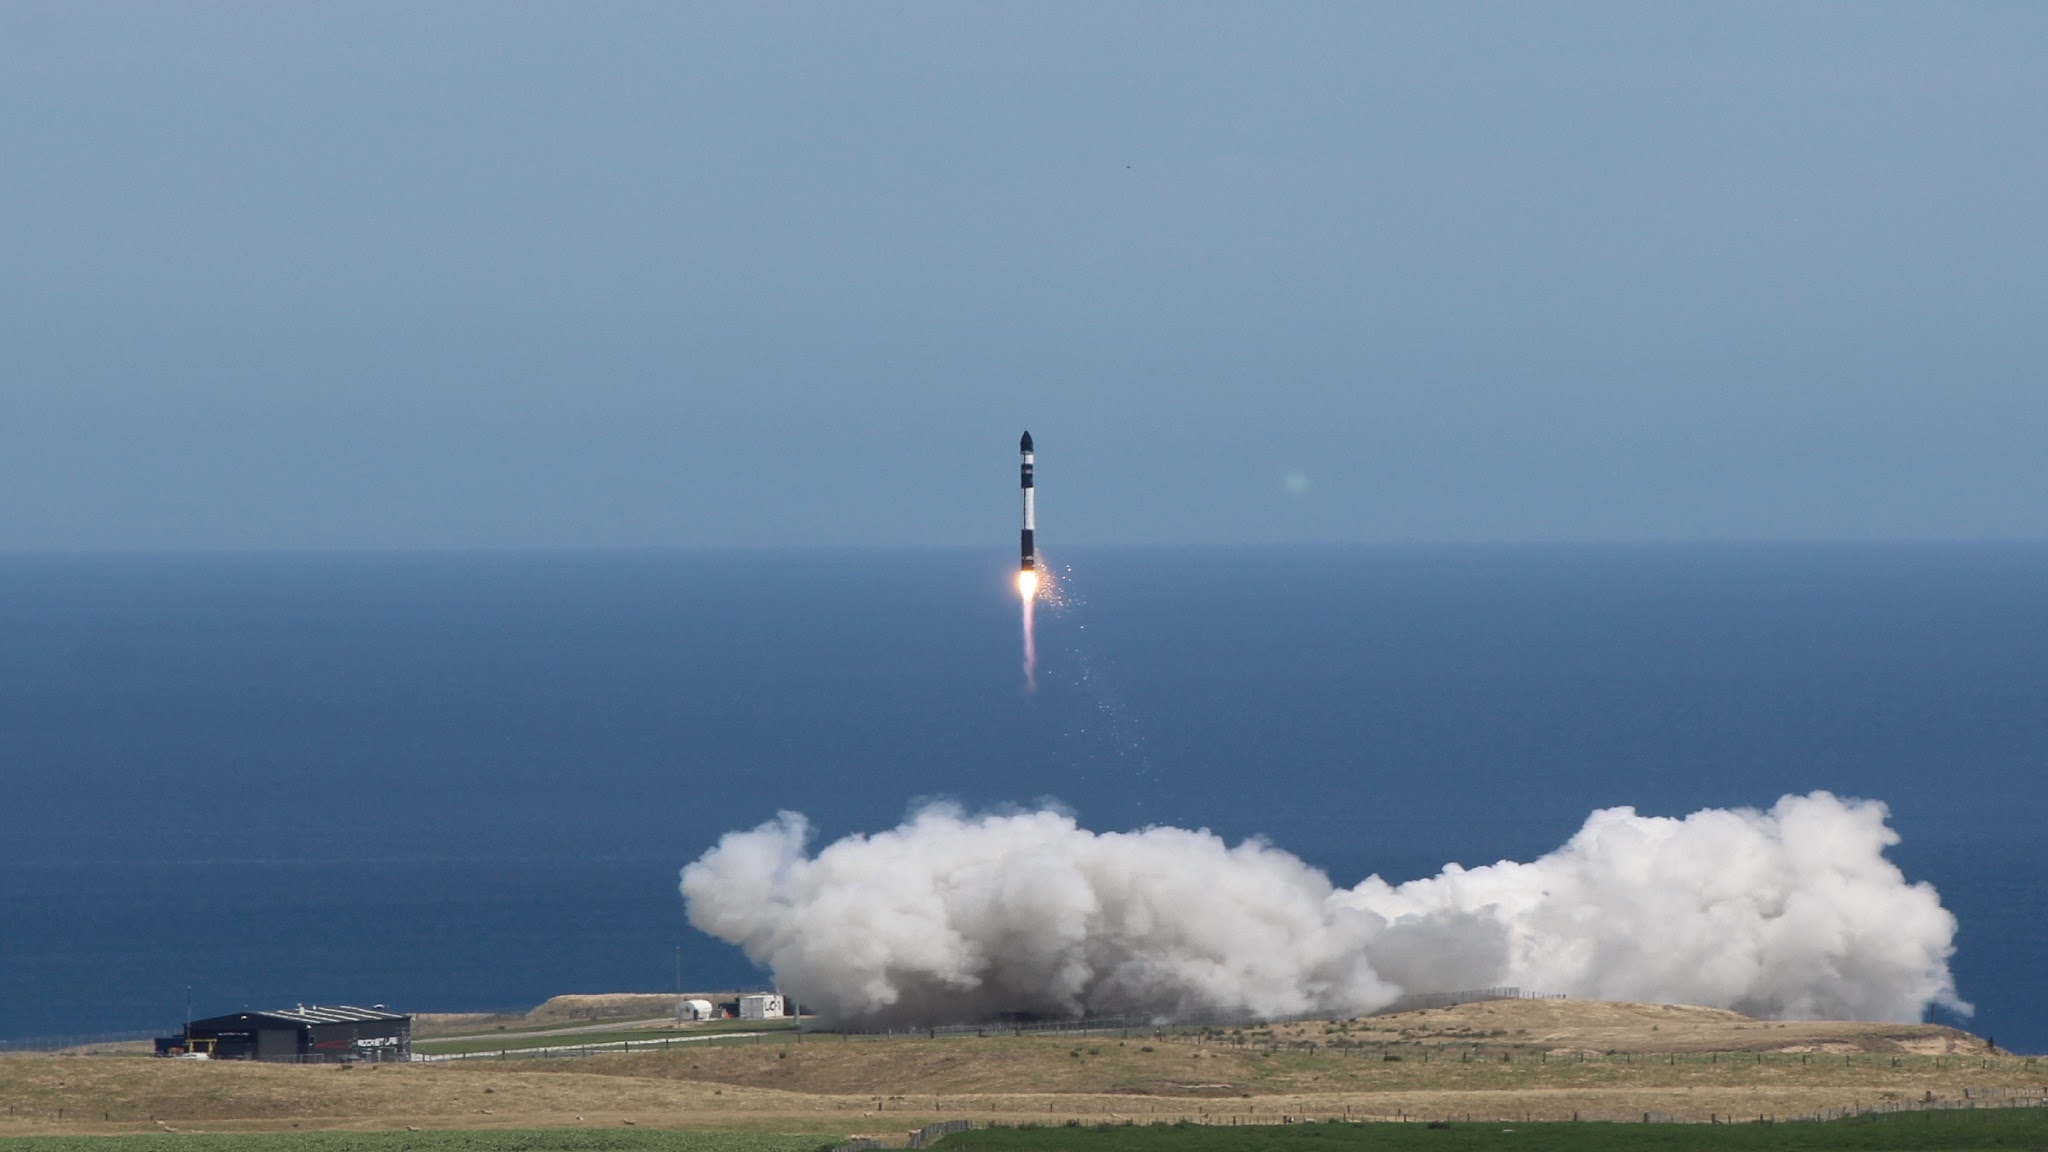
515, 275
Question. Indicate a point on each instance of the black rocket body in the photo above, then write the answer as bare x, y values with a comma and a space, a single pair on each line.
1030, 547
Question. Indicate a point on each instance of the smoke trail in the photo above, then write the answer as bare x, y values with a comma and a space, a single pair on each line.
1030, 649
1791, 913
1036, 583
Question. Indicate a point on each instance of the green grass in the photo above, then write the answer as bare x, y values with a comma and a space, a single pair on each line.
519, 1043
513, 1042
557, 1026
1947, 1131
455, 1140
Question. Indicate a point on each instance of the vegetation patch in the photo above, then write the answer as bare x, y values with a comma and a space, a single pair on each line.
1966, 1130
597, 1038
1206, 1089
444, 1140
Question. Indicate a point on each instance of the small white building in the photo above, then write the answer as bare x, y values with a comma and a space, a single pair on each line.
695, 1010
761, 1006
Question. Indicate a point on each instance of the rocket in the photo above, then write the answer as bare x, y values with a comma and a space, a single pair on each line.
1030, 549
1027, 570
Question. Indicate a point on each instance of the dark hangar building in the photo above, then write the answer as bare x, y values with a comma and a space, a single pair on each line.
307, 1034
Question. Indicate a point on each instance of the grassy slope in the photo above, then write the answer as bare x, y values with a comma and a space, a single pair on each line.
1956, 1131
445, 1033
1962, 1131
513, 1042
1531, 1061
530, 1140
1181, 1068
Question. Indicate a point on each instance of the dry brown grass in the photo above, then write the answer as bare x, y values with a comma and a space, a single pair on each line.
1545, 1059
1567, 1026
561, 1010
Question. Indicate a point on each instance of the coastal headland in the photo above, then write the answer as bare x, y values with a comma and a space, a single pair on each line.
1510, 1060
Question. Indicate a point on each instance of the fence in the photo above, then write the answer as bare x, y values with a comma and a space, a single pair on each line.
81, 1040
924, 1137
931, 1133
1126, 1022
1425, 1000
610, 1047
1084, 1024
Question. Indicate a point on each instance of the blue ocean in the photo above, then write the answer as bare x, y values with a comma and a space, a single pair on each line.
451, 782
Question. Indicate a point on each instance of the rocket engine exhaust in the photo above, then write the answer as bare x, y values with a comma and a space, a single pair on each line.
1792, 912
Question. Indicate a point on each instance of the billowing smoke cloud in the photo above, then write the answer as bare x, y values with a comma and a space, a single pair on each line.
1791, 913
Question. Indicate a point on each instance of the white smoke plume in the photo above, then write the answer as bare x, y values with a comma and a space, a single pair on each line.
1791, 913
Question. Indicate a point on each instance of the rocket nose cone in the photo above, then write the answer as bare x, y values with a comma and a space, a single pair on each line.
1024, 445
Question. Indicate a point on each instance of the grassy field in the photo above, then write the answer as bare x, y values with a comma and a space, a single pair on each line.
456, 1032
456, 1140
694, 1033
1962, 1131
559, 1011
2015, 1129
1509, 1063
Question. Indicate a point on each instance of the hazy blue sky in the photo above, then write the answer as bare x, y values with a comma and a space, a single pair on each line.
495, 274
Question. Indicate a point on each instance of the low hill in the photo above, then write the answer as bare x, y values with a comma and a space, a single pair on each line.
1495, 1060
567, 1011
1569, 1026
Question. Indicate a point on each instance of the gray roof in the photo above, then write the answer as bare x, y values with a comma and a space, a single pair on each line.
336, 1014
